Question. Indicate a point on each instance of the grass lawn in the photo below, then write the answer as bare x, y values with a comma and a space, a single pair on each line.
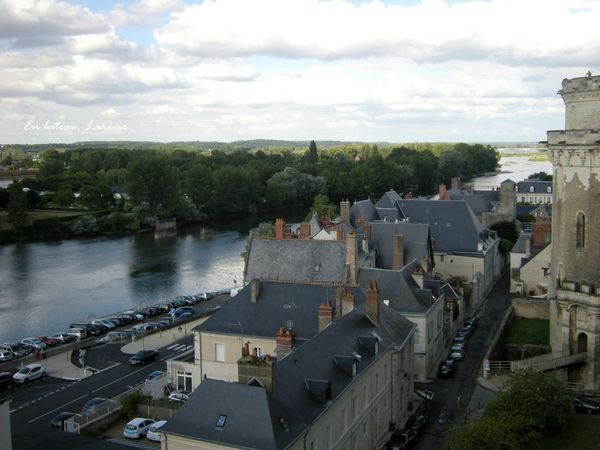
582, 434
528, 331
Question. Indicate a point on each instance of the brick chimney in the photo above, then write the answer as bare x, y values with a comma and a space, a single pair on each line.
541, 233
442, 192
340, 232
455, 183
304, 230
359, 222
254, 290
372, 306
418, 274
285, 342
352, 257
261, 370
325, 315
347, 302
279, 227
408, 195
397, 251
345, 210
367, 230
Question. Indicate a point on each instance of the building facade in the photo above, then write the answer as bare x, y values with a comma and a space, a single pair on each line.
575, 295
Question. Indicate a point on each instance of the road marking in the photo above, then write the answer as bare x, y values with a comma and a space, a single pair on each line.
56, 409
118, 379
172, 346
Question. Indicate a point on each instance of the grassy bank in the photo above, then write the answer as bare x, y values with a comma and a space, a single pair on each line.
528, 331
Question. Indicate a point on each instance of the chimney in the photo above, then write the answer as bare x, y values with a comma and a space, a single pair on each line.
359, 222
418, 274
372, 306
397, 251
367, 230
455, 182
408, 195
325, 315
251, 369
442, 192
340, 232
304, 230
347, 302
279, 226
352, 257
345, 210
254, 290
285, 342
541, 233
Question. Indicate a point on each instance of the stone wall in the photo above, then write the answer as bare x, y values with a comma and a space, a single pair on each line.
531, 308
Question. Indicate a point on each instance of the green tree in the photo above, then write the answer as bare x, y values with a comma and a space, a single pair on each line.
507, 229
199, 185
542, 176
322, 206
312, 156
64, 196
17, 206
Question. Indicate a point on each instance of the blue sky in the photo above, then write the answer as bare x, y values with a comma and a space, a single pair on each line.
396, 71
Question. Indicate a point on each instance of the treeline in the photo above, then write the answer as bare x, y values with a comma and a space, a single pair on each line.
191, 185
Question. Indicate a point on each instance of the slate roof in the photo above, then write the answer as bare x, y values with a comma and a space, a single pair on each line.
539, 187
388, 200
398, 287
453, 225
523, 210
479, 203
277, 304
363, 209
416, 240
248, 422
315, 360
296, 260
520, 245
389, 214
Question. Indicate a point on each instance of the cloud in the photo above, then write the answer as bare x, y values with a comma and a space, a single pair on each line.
143, 12
431, 31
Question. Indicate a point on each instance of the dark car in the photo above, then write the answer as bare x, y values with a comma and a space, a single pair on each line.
402, 439
143, 357
444, 371
472, 322
417, 423
58, 421
6, 381
92, 406
582, 405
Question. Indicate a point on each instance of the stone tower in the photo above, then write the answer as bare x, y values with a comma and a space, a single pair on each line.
575, 288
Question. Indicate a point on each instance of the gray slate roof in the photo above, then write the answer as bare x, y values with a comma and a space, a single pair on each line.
539, 187
520, 245
296, 260
389, 199
248, 423
277, 303
363, 209
399, 288
453, 225
314, 360
389, 214
416, 240
479, 203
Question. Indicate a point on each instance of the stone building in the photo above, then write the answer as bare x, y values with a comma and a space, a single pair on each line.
575, 295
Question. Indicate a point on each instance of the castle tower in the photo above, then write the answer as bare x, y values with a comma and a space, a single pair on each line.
575, 288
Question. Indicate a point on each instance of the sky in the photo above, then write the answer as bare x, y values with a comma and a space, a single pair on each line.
226, 70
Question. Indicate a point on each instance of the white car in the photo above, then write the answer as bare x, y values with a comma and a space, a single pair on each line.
29, 373
107, 323
178, 396
153, 432
137, 428
424, 393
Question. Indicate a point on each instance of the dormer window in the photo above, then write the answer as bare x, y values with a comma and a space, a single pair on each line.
531, 189
221, 421
549, 189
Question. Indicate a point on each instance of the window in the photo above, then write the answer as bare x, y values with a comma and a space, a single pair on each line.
376, 383
531, 189
531, 199
580, 242
365, 429
258, 351
549, 189
344, 420
523, 198
221, 421
220, 352
328, 434
548, 199
184, 381
365, 397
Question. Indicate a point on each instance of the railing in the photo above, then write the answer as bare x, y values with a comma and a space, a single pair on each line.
549, 361
78, 421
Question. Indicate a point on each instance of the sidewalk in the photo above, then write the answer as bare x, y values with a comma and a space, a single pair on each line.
60, 366
164, 338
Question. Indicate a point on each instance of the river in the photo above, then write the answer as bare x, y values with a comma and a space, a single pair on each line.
45, 286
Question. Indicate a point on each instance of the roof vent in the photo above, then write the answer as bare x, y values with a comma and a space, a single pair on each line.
369, 343
320, 389
347, 364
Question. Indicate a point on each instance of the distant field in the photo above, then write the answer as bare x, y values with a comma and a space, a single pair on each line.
540, 156
41, 214
528, 331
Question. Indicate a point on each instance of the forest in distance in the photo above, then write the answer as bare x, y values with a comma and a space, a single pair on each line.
129, 188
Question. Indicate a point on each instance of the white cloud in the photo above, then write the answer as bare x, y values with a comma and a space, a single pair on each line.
143, 12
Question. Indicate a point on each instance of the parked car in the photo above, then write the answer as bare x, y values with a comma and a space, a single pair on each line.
137, 428
184, 311
154, 431
444, 371
456, 352
178, 396
459, 340
402, 439
92, 406
63, 337
6, 381
150, 311
582, 405
136, 315
6, 356
78, 333
49, 341
34, 342
154, 376
143, 356
465, 332
113, 336
19, 350
58, 421
424, 393
29, 373
472, 322
165, 322
417, 423
118, 321
107, 323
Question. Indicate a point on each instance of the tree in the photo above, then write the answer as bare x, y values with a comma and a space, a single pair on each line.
17, 206
541, 176
311, 156
507, 229
64, 196
322, 206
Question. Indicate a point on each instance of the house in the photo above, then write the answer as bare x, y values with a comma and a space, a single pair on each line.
530, 260
345, 387
534, 191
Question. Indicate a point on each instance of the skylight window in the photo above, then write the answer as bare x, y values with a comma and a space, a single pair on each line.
221, 421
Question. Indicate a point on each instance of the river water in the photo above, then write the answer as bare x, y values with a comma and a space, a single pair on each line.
45, 286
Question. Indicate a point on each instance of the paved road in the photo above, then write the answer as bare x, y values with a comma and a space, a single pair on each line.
444, 410
33, 406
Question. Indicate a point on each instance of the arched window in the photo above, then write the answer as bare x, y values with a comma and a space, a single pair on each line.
531, 189
580, 230
549, 189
